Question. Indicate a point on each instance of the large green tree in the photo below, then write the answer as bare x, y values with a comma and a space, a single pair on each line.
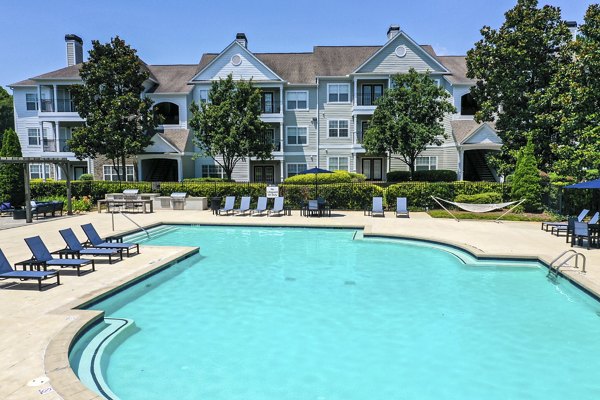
228, 127
119, 118
7, 117
514, 66
408, 118
11, 175
575, 93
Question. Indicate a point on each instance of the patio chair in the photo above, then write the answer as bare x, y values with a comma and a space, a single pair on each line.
401, 207
312, 208
75, 248
563, 224
6, 208
229, 204
7, 272
94, 240
581, 232
594, 219
261, 206
566, 227
43, 258
278, 207
377, 208
244, 206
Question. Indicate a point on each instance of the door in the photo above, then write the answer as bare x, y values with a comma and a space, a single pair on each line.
78, 171
264, 173
373, 168
267, 102
371, 93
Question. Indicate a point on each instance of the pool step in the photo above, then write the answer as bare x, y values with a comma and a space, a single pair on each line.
95, 356
140, 237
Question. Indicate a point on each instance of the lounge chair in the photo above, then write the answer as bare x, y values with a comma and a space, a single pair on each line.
401, 207
6, 208
43, 258
261, 206
581, 232
278, 207
94, 240
594, 219
563, 225
7, 272
377, 208
244, 206
76, 248
229, 204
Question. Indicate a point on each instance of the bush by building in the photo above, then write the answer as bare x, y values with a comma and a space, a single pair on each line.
439, 175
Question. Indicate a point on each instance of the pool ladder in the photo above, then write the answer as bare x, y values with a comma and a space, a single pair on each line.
562, 261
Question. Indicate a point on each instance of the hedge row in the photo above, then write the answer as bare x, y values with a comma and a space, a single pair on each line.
436, 175
349, 196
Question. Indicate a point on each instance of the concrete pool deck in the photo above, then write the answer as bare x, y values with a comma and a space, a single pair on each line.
38, 326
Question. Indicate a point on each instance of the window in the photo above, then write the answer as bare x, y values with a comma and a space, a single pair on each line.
295, 169
426, 163
468, 105
338, 128
336, 163
35, 171
34, 136
338, 92
266, 103
203, 95
212, 171
169, 113
370, 93
32, 101
297, 135
111, 175
296, 100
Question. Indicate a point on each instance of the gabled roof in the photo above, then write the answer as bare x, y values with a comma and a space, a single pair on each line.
71, 72
173, 78
458, 66
463, 129
177, 138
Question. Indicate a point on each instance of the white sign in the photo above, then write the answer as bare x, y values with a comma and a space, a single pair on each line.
272, 192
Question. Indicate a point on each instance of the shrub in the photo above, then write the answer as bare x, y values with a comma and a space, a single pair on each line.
12, 185
341, 196
439, 175
206, 179
526, 179
335, 177
480, 198
86, 177
82, 204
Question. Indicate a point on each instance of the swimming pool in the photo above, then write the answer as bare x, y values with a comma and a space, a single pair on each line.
324, 314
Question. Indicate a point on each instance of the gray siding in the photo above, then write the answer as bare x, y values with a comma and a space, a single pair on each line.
334, 111
301, 118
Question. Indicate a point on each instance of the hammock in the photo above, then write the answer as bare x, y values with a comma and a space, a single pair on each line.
478, 208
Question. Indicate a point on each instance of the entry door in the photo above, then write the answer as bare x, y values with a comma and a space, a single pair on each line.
78, 171
264, 173
373, 168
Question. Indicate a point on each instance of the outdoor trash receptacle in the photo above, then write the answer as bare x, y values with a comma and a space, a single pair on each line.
215, 204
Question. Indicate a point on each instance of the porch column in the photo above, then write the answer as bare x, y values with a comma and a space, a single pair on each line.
354, 137
28, 217
282, 168
461, 163
55, 102
355, 92
56, 137
140, 176
179, 169
281, 143
281, 100
355, 161
39, 98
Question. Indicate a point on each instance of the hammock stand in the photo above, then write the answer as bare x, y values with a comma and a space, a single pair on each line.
478, 208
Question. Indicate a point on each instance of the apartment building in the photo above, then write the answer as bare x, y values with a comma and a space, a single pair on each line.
317, 104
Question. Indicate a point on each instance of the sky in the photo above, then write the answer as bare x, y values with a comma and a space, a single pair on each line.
178, 32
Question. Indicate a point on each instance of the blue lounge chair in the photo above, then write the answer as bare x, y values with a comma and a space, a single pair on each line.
401, 207
562, 226
229, 204
6, 272
244, 206
76, 248
581, 232
94, 240
377, 208
594, 219
278, 207
261, 206
43, 258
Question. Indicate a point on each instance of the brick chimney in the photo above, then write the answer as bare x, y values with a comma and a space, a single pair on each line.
74, 49
241, 39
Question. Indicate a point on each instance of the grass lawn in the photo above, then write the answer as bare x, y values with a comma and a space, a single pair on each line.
493, 215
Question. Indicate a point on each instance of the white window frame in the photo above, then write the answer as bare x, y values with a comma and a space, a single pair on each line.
37, 136
35, 102
329, 92
288, 165
287, 135
337, 129
429, 166
218, 174
39, 173
113, 175
287, 94
202, 99
338, 158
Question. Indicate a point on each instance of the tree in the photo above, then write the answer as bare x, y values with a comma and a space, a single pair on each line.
408, 118
526, 181
576, 94
7, 117
12, 187
228, 127
513, 67
119, 119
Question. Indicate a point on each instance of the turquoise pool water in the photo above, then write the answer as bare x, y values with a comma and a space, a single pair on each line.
283, 313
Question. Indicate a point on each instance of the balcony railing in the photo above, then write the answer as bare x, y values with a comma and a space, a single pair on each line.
367, 99
359, 137
47, 105
270, 108
66, 105
52, 145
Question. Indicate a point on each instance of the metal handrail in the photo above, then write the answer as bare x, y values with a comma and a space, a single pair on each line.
573, 254
135, 223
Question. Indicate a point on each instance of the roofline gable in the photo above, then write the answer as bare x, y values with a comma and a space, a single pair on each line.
411, 41
166, 142
476, 130
234, 43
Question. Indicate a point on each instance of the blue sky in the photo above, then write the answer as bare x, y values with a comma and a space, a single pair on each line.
178, 32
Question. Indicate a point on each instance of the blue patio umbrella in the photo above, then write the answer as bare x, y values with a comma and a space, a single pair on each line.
595, 184
316, 171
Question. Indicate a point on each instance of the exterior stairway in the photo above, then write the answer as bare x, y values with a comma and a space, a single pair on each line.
477, 167
163, 170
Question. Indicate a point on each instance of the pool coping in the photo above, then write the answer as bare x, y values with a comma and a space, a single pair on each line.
56, 356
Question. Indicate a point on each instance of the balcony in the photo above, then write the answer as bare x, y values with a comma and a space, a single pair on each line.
367, 99
52, 145
270, 108
47, 105
66, 105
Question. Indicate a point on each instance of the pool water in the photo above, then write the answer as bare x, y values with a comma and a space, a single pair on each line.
292, 313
